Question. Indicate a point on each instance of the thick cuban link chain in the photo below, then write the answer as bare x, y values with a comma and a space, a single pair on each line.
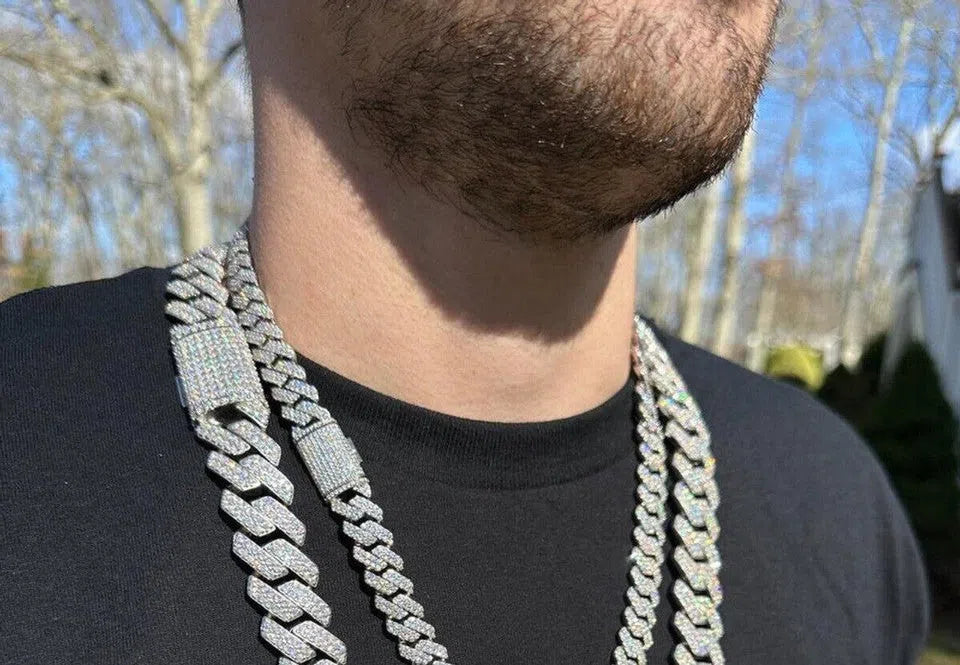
219, 386
225, 333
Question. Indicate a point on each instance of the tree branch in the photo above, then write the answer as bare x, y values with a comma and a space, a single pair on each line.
216, 72
161, 23
82, 23
101, 85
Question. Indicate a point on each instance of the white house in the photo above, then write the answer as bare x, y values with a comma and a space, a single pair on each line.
928, 308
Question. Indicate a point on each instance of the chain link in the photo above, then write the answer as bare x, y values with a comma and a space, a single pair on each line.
257, 495
219, 285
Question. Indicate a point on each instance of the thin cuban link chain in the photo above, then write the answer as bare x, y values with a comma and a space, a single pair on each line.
696, 589
215, 300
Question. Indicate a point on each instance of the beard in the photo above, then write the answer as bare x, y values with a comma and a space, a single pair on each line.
552, 119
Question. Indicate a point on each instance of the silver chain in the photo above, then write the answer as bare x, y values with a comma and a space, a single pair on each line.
228, 348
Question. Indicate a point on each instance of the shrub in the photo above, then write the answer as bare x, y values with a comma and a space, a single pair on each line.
914, 432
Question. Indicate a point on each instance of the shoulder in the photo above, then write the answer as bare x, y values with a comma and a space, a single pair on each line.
763, 419
81, 364
806, 506
100, 473
78, 332
96, 303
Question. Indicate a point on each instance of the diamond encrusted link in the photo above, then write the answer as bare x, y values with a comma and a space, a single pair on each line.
225, 441
307, 600
666, 415
321, 638
258, 439
697, 591
215, 372
333, 463
254, 522
281, 517
285, 641
269, 476
272, 600
290, 556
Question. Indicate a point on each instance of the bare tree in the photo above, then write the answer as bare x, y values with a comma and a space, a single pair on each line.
788, 191
740, 177
81, 45
890, 73
701, 255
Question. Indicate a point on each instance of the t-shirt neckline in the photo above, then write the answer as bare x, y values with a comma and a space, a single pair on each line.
477, 453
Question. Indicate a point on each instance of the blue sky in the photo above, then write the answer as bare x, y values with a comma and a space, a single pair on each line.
835, 159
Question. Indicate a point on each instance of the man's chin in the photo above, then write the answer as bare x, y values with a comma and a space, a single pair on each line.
553, 129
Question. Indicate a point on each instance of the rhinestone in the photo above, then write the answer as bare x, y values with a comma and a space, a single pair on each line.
181, 289
181, 311
272, 600
368, 560
231, 472
321, 638
299, 563
281, 517
308, 601
222, 439
285, 642
389, 609
415, 656
401, 631
245, 514
432, 648
379, 584
265, 565
408, 604
269, 476
294, 415
420, 626
399, 580
289, 367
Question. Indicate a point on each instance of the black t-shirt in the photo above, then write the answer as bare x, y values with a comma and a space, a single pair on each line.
516, 535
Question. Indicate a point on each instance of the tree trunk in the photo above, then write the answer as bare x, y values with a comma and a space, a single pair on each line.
736, 231
692, 315
766, 306
193, 212
192, 185
851, 327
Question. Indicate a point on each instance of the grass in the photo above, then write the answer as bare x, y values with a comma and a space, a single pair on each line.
939, 656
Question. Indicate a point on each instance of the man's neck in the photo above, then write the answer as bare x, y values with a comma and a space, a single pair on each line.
401, 293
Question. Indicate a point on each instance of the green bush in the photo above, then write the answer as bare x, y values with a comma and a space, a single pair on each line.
911, 427
914, 432
798, 364
853, 393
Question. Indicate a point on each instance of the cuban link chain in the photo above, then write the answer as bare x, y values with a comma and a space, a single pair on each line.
695, 491
219, 386
696, 590
635, 637
345, 488
335, 467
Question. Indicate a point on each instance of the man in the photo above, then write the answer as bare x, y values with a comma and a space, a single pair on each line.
442, 226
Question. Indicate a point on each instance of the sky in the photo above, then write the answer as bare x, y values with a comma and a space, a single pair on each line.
834, 161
